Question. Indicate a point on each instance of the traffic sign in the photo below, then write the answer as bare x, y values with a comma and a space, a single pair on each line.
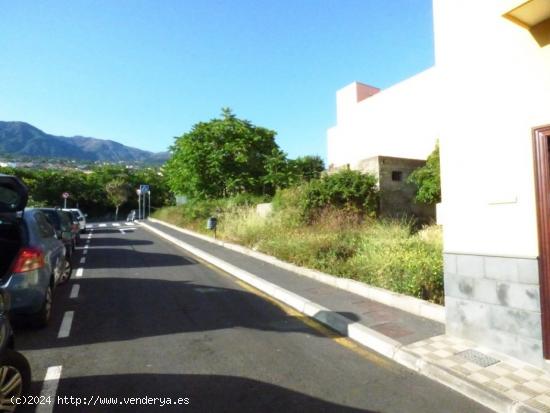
144, 188
65, 195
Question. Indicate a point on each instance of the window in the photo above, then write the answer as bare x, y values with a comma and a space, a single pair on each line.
396, 176
45, 229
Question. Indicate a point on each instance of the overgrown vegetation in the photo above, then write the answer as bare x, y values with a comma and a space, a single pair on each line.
329, 224
428, 180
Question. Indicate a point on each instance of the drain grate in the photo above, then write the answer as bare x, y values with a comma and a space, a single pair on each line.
478, 358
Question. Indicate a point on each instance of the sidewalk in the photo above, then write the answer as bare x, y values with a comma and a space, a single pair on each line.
498, 382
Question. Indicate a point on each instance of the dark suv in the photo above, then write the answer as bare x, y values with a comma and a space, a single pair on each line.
32, 259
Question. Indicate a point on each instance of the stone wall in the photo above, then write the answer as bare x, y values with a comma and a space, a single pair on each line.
397, 197
495, 301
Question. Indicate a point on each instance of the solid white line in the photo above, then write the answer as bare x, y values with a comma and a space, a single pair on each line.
83, 260
102, 225
116, 224
79, 272
65, 329
74, 291
49, 389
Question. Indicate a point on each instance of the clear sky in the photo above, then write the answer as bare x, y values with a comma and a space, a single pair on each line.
142, 72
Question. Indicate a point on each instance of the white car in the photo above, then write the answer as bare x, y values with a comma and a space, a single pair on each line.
81, 218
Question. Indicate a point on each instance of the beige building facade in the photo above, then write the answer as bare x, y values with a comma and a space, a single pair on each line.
487, 101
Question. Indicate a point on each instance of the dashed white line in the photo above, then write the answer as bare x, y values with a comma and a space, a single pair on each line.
49, 389
65, 329
82, 260
84, 252
116, 224
79, 272
102, 225
74, 291
129, 223
86, 246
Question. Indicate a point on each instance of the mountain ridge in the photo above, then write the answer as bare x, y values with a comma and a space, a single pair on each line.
21, 139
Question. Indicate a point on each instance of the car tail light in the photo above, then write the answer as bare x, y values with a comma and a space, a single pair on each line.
28, 259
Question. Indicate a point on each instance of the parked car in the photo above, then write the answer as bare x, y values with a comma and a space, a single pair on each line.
81, 218
62, 221
32, 259
76, 224
15, 371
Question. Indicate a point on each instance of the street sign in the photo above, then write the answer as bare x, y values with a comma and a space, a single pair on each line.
65, 195
144, 188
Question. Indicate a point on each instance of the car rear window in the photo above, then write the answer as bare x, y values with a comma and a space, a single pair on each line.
52, 217
9, 199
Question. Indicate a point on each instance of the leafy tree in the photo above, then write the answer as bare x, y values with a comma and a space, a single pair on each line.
220, 158
118, 192
278, 173
306, 168
428, 180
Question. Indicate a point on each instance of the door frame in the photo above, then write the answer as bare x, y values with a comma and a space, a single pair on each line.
541, 147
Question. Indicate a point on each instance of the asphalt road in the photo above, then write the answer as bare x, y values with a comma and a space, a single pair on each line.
145, 320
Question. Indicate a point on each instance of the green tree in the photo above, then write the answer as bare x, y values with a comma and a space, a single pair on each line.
277, 171
306, 168
118, 192
427, 179
220, 158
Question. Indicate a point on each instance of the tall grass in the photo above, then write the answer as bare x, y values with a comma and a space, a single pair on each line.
384, 253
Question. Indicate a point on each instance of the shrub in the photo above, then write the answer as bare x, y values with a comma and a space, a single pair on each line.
348, 190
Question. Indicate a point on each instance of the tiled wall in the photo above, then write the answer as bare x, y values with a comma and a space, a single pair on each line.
495, 301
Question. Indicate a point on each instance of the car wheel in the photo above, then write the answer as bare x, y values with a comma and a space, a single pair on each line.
42, 318
66, 273
15, 379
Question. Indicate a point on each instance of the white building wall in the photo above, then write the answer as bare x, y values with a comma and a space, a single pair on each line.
495, 89
397, 122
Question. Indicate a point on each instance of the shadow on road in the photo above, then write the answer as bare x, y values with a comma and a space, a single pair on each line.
205, 393
115, 309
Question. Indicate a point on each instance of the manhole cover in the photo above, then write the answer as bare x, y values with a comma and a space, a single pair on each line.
478, 358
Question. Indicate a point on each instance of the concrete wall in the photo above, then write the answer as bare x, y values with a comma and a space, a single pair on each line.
494, 88
397, 121
397, 197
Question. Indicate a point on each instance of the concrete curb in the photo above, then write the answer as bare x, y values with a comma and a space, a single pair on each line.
403, 302
363, 335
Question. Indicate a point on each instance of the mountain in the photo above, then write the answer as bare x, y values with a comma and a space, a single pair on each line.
19, 139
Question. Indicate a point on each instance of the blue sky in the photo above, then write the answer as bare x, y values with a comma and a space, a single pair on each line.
142, 72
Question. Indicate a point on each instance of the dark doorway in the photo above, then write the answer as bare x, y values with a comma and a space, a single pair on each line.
541, 146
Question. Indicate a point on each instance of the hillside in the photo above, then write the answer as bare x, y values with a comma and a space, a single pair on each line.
20, 139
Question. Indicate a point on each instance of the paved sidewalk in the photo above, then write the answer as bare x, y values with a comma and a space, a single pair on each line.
498, 382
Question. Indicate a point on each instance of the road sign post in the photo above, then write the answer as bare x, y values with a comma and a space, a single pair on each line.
138, 192
65, 195
144, 189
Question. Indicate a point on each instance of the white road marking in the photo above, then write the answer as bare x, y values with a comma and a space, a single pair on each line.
83, 260
102, 225
74, 291
129, 223
116, 224
65, 329
89, 236
79, 272
86, 246
122, 231
49, 389
84, 252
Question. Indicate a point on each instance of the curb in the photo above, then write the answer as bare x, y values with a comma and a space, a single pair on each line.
365, 336
403, 302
